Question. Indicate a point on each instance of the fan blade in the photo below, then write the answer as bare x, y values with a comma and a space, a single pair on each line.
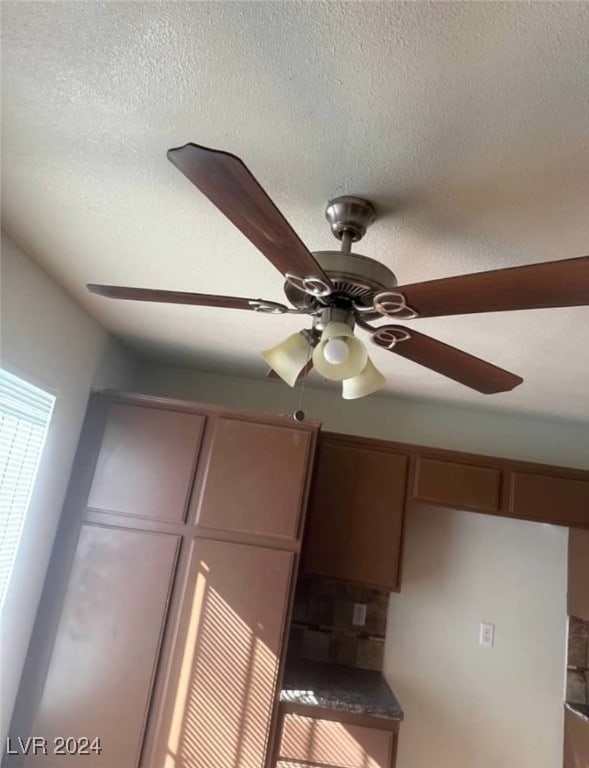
449, 361
175, 297
229, 185
550, 284
271, 373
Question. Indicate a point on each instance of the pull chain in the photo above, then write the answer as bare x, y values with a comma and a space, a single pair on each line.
299, 414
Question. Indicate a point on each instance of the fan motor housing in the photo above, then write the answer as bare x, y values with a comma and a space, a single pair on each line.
355, 278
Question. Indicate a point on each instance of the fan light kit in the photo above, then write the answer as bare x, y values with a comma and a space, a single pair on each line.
342, 290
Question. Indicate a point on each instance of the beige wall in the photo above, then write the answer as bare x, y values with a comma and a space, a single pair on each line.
49, 340
467, 705
445, 426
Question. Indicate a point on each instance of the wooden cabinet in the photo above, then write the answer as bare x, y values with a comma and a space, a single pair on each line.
550, 499
456, 485
336, 740
223, 683
176, 593
355, 514
576, 740
146, 462
255, 478
104, 655
578, 574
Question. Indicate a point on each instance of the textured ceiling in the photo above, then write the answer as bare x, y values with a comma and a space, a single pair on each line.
466, 124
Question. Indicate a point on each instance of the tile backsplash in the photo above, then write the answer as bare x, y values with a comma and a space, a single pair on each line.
323, 626
578, 661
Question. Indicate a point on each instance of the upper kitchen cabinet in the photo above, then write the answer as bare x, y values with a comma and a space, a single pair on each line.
550, 499
578, 574
457, 485
355, 513
255, 478
146, 462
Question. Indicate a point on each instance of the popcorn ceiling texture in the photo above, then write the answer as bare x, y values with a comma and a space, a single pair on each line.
465, 124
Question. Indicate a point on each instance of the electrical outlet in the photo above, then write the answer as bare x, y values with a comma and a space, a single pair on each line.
487, 634
359, 614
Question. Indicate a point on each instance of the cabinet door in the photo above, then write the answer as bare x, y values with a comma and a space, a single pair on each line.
576, 740
146, 462
548, 499
355, 514
255, 479
222, 686
460, 486
328, 742
106, 648
578, 574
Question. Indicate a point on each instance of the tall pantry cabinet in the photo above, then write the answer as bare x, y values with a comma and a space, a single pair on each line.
170, 588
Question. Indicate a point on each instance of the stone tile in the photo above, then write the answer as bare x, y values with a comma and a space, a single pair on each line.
370, 653
343, 649
320, 610
578, 627
577, 650
295, 642
376, 615
315, 645
576, 687
342, 614
299, 609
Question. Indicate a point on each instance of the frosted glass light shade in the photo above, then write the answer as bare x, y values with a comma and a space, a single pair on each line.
289, 357
355, 359
365, 383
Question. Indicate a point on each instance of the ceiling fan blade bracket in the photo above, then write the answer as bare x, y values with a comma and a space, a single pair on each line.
388, 336
393, 304
268, 307
314, 286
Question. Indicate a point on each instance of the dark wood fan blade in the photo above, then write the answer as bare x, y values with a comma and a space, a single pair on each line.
551, 284
449, 361
229, 185
271, 373
170, 297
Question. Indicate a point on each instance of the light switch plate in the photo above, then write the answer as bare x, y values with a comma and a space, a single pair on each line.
359, 614
487, 634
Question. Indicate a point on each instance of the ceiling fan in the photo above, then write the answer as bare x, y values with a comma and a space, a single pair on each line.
342, 289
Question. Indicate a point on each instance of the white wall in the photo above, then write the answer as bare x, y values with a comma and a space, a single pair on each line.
466, 705
49, 340
528, 438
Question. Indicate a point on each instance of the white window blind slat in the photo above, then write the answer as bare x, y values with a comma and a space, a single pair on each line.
25, 413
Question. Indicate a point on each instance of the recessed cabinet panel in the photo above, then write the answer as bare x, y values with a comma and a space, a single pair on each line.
355, 514
255, 479
146, 462
329, 743
576, 740
461, 486
578, 575
106, 648
223, 685
558, 500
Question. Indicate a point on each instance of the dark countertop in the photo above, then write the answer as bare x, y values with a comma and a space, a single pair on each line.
579, 709
345, 689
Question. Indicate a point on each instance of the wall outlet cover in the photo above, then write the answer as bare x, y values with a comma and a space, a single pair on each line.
487, 634
359, 614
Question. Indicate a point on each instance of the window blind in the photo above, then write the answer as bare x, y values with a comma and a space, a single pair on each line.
25, 413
